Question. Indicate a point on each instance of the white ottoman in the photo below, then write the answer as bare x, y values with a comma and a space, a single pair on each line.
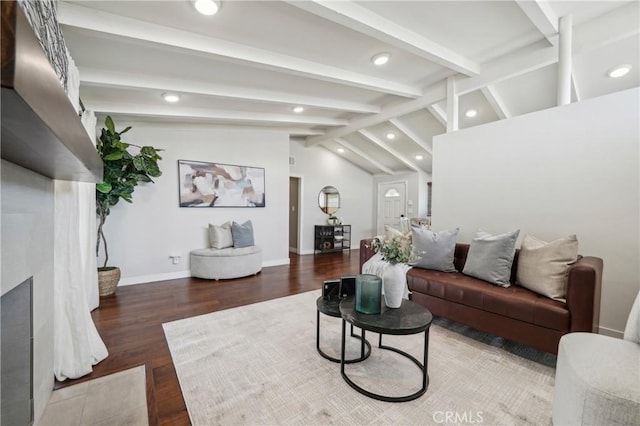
226, 263
597, 381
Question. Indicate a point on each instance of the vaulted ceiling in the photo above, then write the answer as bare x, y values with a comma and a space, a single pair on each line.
254, 61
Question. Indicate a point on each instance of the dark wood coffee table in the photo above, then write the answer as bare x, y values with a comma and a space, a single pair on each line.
409, 318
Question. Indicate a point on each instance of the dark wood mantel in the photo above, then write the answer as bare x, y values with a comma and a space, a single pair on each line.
41, 131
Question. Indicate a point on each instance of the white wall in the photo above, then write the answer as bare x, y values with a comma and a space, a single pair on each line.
144, 234
27, 250
566, 170
317, 168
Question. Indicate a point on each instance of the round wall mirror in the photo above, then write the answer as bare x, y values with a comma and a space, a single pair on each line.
329, 199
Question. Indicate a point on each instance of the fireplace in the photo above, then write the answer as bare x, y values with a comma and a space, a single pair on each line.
17, 355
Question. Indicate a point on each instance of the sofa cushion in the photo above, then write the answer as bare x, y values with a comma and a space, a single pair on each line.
543, 267
242, 234
220, 236
226, 252
513, 302
434, 250
490, 257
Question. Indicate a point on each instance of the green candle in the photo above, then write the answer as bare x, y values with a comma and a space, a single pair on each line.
368, 293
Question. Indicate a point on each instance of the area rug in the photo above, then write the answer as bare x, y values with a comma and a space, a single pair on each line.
258, 365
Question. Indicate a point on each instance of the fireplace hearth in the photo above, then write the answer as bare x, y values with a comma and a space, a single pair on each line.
16, 352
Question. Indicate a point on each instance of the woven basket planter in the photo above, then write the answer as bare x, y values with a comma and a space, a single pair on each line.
108, 280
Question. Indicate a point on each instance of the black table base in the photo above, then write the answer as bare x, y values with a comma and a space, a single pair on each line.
365, 346
421, 365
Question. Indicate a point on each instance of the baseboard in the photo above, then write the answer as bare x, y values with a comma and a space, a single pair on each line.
610, 332
275, 262
142, 279
303, 252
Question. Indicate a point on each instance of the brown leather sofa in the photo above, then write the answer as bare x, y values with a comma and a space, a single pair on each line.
514, 313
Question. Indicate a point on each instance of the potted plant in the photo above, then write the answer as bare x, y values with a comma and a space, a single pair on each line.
123, 171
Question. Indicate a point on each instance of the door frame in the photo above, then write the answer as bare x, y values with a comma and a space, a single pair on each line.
379, 204
299, 249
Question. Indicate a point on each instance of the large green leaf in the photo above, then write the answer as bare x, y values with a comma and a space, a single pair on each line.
109, 123
103, 187
113, 156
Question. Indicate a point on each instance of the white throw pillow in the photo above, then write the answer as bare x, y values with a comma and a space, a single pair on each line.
220, 236
543, 267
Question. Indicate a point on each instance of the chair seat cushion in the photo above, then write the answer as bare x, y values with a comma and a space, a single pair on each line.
226, 252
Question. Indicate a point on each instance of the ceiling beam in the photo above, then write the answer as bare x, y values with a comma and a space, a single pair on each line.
496, 102
411, 134
363, 20
438, 113
390, 150
542, 16
101, 78
210, 114
493, 72
506, 68
364, 156
434, 94
617, 25
108, 23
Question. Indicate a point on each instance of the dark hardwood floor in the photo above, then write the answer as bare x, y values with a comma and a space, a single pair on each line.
130, 322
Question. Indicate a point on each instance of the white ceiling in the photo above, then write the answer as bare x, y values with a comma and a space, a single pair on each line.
253, 61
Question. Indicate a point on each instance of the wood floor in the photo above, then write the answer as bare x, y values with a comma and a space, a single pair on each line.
130, 322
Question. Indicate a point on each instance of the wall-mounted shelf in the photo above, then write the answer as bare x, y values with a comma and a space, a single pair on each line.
41, 131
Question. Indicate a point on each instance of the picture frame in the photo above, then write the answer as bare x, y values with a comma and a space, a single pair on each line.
206, 184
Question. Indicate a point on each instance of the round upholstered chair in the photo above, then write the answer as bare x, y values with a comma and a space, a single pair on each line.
598, 377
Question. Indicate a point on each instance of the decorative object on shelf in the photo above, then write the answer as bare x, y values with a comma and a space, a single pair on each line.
332, 238
220, 185
43, 18
123, 171
329, 200
394, 250
368, 294
333, 220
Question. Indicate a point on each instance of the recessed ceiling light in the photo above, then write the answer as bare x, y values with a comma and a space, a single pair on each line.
207, 7
418, 157
619, 71
471, 113
391, 136
298, 109
381, 58
340, 150
170, 97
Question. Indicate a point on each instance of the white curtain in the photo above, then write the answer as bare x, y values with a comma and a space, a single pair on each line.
76, 342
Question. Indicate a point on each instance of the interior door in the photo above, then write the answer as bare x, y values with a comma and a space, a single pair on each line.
294, 190
392, 202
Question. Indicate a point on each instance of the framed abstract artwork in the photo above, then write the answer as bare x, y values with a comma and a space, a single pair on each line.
220, 185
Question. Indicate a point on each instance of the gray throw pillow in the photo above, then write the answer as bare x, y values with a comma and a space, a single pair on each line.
435, 250
490, 257
242, 234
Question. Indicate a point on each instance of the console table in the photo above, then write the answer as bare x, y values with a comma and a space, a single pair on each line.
329, 238
409, 318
